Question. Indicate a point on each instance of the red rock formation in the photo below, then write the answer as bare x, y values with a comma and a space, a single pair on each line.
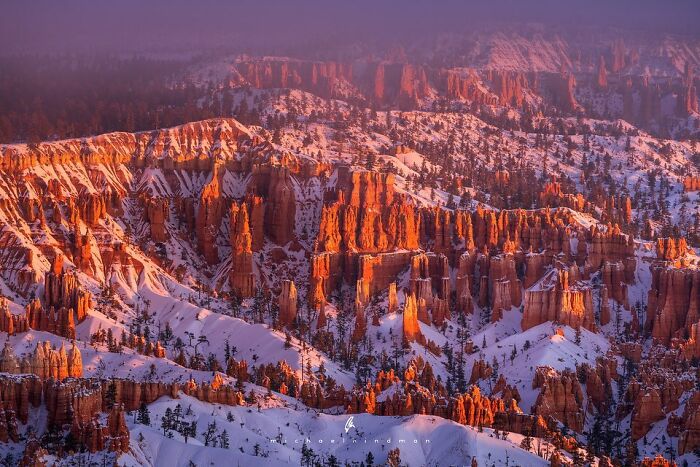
322, 78
689, 438
376, 273
617, 56
535, 266
670, 249
509, 87
280, 208
465, 85
504, 285
604, 306
241, 277
613, 277
209, 215
674, 302
647, 410
480, 370
117, 430
393, 303
465, 274
64, 302
691, 183
554, 299
411, 330
687, 100
560, 397
156, 212
288, 303
658, 461
45, 362
11, 323
612, 246
563, 86
360, 329
33, 454
602, 77
598, 383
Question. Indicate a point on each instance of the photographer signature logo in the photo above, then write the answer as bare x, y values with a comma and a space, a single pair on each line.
349, 424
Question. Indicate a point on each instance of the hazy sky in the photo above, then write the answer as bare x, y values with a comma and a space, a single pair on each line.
149, 25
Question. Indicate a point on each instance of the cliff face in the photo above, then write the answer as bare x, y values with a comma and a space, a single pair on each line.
555, 299
560, 397
321, 78
673, 302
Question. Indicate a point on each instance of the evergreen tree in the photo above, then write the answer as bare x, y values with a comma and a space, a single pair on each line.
144, 416
224, 440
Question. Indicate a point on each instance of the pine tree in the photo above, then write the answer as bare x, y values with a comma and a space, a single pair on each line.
224, 440
166, 422
144, 416
210, 433
307, 456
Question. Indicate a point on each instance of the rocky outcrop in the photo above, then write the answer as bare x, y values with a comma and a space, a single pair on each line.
471, 408
555, 299
10, 322
612, 246
280, 204
673, 304
322, 78
495, 87
209, 215
689, 438
401, 84
393, 301
411, 330
691, 183
480, 370
117, 430
598, 380
504, 285
46, 362
287, 301
563, 87
613, 278
33, 454
95, 437
647, 410
670, 249
602, 74
64, 304
535, 267
687, 100
241, 277
156, 211
561, 397
658, 461
464, 283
